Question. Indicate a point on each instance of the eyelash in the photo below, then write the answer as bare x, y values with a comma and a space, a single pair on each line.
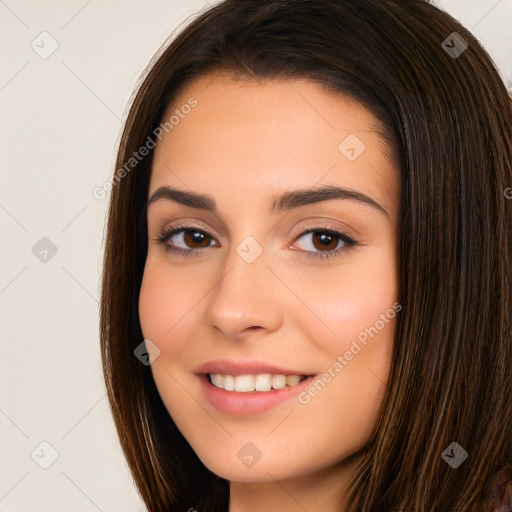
347, 240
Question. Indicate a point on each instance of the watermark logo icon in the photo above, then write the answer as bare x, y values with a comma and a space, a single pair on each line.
44, 250
147, 352
45, 45
454, 45
249, 455
454, 455
352, 147
249, 249
44, 455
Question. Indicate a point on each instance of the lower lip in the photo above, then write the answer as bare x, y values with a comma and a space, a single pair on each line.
252, 402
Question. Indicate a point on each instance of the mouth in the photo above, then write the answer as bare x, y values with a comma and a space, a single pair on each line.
250, 394
258, 383
249, 386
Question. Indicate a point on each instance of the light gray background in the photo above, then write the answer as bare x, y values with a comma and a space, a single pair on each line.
60, 119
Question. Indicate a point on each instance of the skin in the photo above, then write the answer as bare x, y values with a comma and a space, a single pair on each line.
244, 143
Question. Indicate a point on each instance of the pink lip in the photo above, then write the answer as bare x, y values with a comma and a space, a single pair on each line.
253, 402
244, 367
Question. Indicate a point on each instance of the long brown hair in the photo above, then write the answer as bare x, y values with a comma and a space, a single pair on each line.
448, 117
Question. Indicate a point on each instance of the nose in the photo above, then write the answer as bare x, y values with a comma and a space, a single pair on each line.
245, 298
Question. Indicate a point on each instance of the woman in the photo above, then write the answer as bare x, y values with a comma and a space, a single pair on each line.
307, 279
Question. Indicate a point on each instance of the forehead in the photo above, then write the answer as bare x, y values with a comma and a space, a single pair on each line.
288, 100
268, 135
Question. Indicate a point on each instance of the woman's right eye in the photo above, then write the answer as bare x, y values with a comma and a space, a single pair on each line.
185, 240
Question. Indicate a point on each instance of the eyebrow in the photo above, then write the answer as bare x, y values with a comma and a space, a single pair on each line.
284, 202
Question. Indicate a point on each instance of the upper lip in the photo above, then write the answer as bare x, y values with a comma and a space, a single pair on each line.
244, 367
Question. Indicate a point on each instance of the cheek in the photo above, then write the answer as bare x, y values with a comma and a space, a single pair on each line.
155, 301
159, 320
339, 304
166, 314
348, 393
165, 300
353, 329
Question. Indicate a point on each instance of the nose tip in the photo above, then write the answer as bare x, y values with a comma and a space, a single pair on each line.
244, 302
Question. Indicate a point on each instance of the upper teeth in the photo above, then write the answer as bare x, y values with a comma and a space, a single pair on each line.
259, 382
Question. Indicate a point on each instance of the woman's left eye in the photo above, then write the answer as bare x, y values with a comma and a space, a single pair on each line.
327, 242
321, 242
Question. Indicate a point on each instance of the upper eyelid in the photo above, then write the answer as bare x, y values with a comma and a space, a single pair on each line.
178, 228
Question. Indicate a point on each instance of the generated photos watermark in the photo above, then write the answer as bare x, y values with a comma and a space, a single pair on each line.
101, 192
343, 360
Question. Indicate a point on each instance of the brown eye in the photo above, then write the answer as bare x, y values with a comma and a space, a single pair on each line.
185, 240
192, 237
324, 241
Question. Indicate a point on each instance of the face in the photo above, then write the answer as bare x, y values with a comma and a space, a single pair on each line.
284, 275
